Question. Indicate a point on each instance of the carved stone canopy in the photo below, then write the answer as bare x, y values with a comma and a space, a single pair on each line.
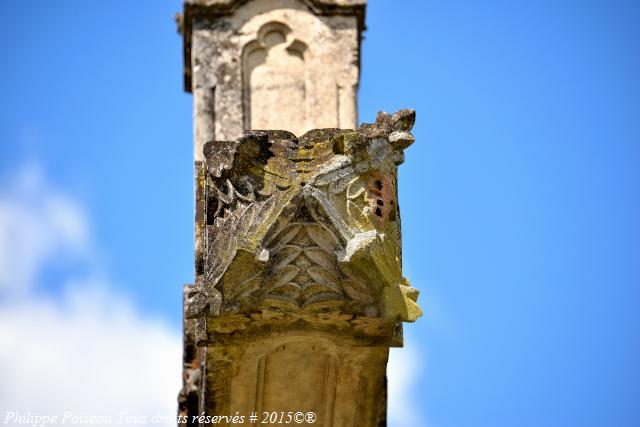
303, 233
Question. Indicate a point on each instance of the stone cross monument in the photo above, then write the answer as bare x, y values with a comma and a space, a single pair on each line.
299, 292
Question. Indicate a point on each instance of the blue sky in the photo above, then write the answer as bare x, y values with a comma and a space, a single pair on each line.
519, 199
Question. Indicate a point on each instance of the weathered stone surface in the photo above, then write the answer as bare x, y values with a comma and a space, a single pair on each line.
189, 397
271, 64
299, 290
304, 226
301, 260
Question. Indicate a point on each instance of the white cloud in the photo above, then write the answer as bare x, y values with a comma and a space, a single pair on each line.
404, 368
37, 225
89, 353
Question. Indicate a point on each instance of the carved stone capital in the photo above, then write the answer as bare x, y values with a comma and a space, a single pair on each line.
304, 234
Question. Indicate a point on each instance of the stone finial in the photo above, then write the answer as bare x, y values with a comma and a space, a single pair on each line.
304, 233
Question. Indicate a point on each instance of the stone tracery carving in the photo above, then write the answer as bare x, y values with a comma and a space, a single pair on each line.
303, 231
274, 74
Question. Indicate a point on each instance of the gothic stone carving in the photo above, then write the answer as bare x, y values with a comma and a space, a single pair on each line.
274, 74
271, 64
304, 233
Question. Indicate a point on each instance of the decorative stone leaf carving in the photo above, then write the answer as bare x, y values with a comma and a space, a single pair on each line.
358, 218
306, 228
321, 237
355, 189
323, 258
282, 276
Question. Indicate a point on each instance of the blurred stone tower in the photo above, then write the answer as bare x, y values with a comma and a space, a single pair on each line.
299, 290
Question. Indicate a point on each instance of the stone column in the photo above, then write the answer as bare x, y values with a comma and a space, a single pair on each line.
299, 290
